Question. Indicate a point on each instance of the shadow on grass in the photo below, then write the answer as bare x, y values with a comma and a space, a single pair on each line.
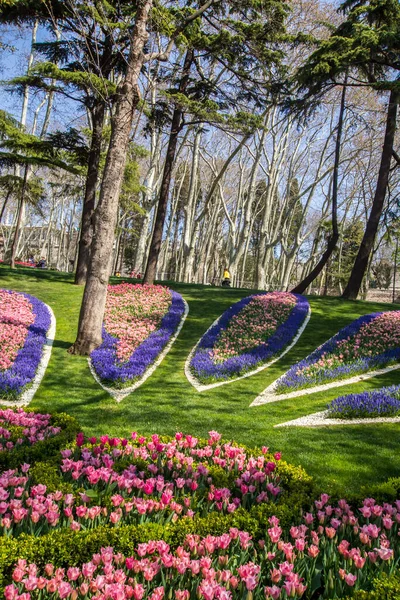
61, 344
38, 274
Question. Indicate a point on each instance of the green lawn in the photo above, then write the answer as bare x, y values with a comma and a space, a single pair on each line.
341, 458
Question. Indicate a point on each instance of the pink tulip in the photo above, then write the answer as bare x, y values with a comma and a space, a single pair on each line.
350, 579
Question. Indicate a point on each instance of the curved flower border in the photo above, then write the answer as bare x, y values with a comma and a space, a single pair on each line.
31, 361
270, 394
147, 356
282, 338
326, 418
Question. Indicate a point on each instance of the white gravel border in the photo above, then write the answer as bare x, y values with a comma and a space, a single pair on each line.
27, 396
201, 387
320, 419
119, 395
270, 395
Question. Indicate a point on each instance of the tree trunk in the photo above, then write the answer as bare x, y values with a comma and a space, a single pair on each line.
141, 247
105, 216
3, 208
21, 207
361, 263
333, 239
89, 201
155, 243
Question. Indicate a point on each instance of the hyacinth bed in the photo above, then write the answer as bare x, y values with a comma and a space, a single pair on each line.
184, 519
139, 322
367, 344
252, 332
24, 323
384, 402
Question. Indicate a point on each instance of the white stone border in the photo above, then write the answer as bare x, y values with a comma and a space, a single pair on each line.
201, 387
321, 419
119, 395
270, 395
27, 396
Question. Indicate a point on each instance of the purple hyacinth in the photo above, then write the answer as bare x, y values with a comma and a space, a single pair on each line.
294, 379
111, 371
378, 403
23, 370
206, 370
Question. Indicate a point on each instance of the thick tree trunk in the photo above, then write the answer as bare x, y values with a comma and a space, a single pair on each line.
333, 239
361, 263
105, 216
89, 202
156, 239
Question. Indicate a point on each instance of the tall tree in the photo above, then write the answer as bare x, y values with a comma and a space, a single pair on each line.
239, 47
125, 102
366, 46
334, 237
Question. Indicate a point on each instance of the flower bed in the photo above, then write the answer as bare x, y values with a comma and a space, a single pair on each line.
30, 436
142, 480
139, 322
370, 342
378, 403
24, 323
19, 427
248, 334
180, 518
332, 550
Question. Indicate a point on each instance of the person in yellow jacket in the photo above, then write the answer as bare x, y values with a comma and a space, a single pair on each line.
226, 282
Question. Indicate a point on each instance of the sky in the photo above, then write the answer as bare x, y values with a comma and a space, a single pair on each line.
13, 63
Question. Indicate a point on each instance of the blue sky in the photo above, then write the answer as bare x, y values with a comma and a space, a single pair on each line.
13, 63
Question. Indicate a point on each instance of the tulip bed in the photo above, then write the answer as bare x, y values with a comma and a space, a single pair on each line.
29, 436
18, 428
111, 480
180, 518
139, 321
369, 343
250, 333
331, 551
24, 323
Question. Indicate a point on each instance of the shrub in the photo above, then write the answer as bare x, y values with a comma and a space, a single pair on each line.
386, 587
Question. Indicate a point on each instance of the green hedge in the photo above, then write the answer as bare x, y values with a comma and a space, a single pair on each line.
66, 548
387, 587
50, 447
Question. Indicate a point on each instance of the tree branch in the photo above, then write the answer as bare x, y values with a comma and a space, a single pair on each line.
163, 56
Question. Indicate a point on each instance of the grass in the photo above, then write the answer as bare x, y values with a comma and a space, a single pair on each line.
341, 458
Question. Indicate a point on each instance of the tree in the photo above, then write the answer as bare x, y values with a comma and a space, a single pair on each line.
22, 149
125, 102
78, 71
241, 50
334, 237
366, 47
